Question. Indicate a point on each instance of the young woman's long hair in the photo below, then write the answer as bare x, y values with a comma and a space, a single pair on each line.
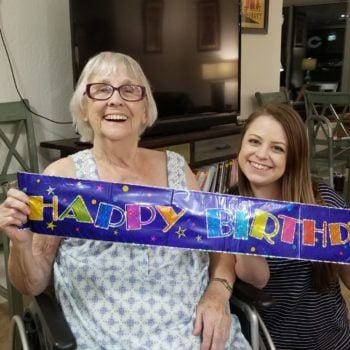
297, 185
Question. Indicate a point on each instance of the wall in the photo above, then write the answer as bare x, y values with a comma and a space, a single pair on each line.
260, 60
177, 67
37, 34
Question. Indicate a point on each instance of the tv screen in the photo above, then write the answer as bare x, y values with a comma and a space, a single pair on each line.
189, 50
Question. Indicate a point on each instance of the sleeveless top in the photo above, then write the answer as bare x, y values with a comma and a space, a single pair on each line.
123, 296
302, 318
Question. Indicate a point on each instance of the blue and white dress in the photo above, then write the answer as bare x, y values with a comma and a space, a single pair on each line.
122, 296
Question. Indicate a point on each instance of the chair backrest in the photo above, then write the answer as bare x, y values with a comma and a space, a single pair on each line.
264, 98
17, 144
334, 106
17, 138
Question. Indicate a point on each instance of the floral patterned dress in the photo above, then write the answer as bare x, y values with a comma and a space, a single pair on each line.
123, 296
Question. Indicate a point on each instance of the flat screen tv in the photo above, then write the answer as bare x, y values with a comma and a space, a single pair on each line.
189, 51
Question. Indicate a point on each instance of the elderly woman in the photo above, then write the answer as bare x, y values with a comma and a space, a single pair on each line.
119, 296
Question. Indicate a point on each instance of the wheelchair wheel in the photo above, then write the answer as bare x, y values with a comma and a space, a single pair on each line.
24, 333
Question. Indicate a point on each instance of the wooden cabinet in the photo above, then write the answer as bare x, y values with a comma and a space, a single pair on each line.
199, 148
216, 148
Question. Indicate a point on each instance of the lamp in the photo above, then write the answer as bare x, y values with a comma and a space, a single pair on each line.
308, 64
217, 73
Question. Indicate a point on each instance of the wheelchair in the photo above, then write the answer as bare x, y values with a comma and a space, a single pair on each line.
44, 327
244, 303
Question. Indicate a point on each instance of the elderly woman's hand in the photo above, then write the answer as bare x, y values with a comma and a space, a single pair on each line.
213, 318
13, 213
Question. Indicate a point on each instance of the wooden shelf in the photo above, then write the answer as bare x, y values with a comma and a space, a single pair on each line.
73, 145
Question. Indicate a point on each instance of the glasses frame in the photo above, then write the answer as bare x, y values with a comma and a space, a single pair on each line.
88, 92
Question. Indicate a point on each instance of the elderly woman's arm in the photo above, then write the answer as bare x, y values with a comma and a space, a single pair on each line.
31, 255
213, 319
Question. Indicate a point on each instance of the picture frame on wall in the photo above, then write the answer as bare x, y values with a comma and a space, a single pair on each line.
254, 16
300, 30
153, 25
208, 26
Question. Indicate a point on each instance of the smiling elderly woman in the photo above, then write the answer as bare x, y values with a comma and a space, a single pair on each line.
119, 296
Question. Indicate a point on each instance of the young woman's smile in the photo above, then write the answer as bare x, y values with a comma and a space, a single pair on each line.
263, 154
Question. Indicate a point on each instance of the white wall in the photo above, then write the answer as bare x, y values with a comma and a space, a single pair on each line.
37, 35
260, 60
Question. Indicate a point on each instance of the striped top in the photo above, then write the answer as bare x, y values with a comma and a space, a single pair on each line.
302, 318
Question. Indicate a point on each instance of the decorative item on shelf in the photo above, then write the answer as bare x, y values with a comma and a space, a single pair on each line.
208, 25
218, 73
153, 25
308, 64
254, 16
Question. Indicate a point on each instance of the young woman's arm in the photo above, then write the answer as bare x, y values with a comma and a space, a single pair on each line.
253, 270
344, 274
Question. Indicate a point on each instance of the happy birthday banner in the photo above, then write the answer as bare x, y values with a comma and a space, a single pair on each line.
185, 219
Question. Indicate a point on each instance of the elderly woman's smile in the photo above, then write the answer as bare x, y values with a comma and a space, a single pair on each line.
115, 117
116, 100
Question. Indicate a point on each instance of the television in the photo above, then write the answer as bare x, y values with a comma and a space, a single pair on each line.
189, 51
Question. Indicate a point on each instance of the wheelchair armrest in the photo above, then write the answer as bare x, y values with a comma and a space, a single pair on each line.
252, 295
52, 323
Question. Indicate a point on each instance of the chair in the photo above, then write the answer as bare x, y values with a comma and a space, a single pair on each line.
18, 140
264, 98
329, 139
44, 327
244, 303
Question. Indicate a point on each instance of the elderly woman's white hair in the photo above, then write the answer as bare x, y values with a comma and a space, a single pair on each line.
103, 64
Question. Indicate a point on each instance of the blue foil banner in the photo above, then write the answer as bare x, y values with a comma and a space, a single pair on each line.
185, 219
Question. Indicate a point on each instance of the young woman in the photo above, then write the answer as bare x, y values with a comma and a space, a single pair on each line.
310, 312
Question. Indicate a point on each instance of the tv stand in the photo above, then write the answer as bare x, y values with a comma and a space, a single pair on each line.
179, 124
200, 147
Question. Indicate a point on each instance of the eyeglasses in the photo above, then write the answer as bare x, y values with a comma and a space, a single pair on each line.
102, 91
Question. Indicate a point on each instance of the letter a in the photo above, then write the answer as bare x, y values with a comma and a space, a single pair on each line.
77, 210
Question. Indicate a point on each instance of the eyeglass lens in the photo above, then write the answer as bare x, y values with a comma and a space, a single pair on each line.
101, 91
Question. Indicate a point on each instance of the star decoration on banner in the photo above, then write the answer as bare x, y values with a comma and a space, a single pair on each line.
153, 238
51, 225
115, 232
99, 188
181, 232
198, 238
50, 190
